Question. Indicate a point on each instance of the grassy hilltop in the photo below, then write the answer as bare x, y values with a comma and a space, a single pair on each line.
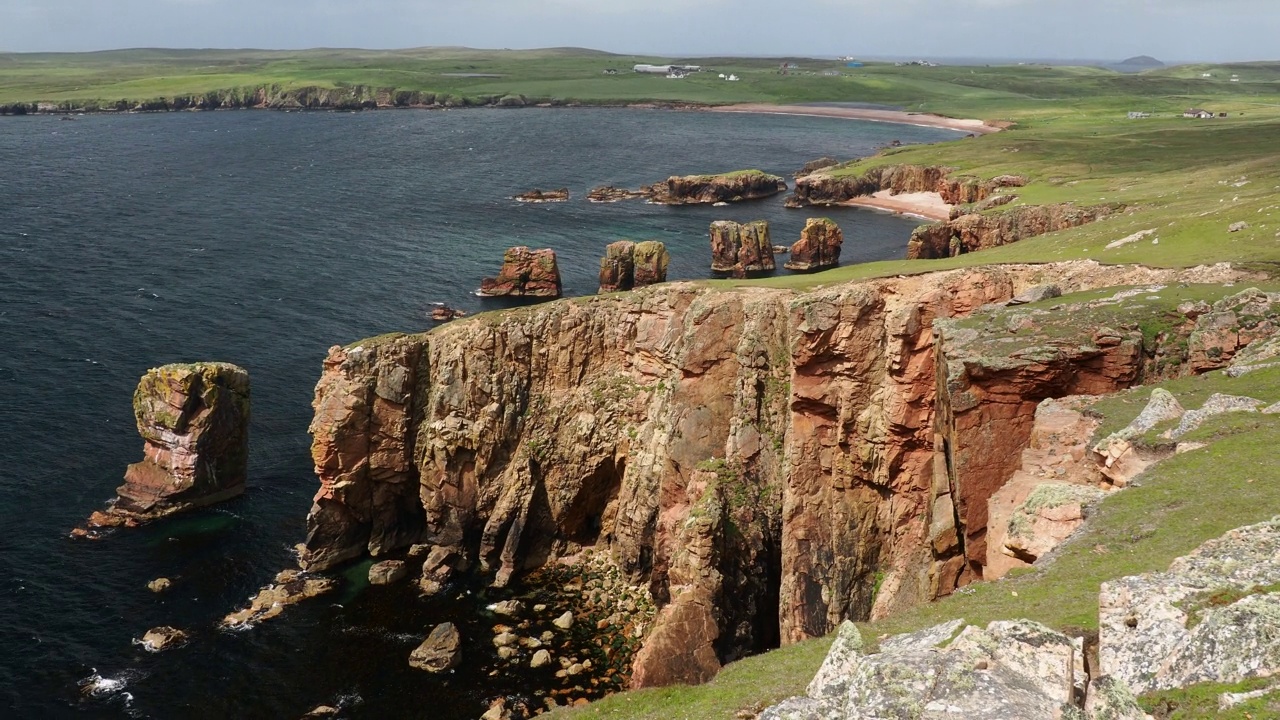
1186, 180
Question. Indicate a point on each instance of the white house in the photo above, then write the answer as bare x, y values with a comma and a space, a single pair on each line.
1198, 114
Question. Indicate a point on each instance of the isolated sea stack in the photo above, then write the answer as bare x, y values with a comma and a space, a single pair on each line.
194, 419
818, 248
741, 249
709, 189
525, 273
627, 265
543, 196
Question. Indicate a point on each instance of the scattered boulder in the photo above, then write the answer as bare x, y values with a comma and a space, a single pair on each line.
1212, 617
1217, 404
162, 638
440, 652
1050, 515
510, 608
160, 585
565, 621
543, 196
741, 249
818, 247
322, 711
681, 648
444, 313
525, 273
194, 419
1238, 226
290, 588
540, 659
388, 572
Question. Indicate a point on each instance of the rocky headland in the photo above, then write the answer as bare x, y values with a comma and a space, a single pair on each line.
710, 189
194, 421
525, 273
764, 463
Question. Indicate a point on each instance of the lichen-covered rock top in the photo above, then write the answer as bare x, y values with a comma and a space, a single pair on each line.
1213, 617
741, 249
708, 189
818, 247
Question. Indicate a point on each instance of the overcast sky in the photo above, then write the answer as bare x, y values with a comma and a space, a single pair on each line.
1104, 29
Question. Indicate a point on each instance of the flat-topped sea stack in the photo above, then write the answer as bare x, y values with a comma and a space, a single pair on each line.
628, 265
818, 248
194, 419
543, 196
525, 273
710, 189
741, 249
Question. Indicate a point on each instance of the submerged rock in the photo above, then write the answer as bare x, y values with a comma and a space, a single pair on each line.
818, 247
741, 249
194, 419
525, 273
441, 651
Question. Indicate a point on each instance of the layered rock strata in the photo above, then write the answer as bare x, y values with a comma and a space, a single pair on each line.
194, 421
824, 187
741, 249
756, 458
525, 273
818, 247
710, 189
627, 265
973, 232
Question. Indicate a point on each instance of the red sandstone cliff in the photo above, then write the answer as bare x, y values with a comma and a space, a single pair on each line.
757, 458
971, 232
825, 188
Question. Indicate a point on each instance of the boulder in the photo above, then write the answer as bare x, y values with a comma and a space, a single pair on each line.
290, 588
441, 651
162, 638
510, 608
543, 196
617, 267
681, 648
565, 621
525, 273
1209, 618
194, 421
388, 572
159, 585
540, 659
1036, 294
741, 249
1050, 515
818, 248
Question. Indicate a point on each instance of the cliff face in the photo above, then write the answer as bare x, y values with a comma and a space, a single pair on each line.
822, 188
972, 232
708, 189
768, 463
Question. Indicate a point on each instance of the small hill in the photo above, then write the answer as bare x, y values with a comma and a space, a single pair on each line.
1138, 64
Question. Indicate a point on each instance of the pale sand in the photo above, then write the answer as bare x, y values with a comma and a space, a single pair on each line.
925, 205
976, 127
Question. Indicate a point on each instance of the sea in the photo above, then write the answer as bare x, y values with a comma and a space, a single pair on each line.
263, 238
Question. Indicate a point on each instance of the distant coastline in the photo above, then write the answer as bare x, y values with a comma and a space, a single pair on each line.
977, 127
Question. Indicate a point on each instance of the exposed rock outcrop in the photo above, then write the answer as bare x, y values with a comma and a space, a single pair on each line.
1213, 617
825, 187
525, 273
440, 652
973, 232
627, 265
543, 196
194, 419
814, 166
818, 247
1011, 669
710, 189
768, 450
161, 639
290, 588
611, 194
741, 249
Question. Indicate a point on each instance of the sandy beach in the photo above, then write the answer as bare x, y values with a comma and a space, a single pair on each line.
976, 127
924, 205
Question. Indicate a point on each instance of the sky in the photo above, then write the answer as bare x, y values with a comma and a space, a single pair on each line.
1177, 30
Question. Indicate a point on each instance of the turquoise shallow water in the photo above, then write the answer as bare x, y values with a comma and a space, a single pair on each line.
262, 239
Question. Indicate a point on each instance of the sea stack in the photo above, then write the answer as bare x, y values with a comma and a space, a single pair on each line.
818, 248
525, 273
194, 419
627, 265
741, 249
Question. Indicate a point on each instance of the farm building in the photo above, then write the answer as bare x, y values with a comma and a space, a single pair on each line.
1198, 114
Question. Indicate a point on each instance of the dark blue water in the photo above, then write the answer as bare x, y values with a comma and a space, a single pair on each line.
262, 239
